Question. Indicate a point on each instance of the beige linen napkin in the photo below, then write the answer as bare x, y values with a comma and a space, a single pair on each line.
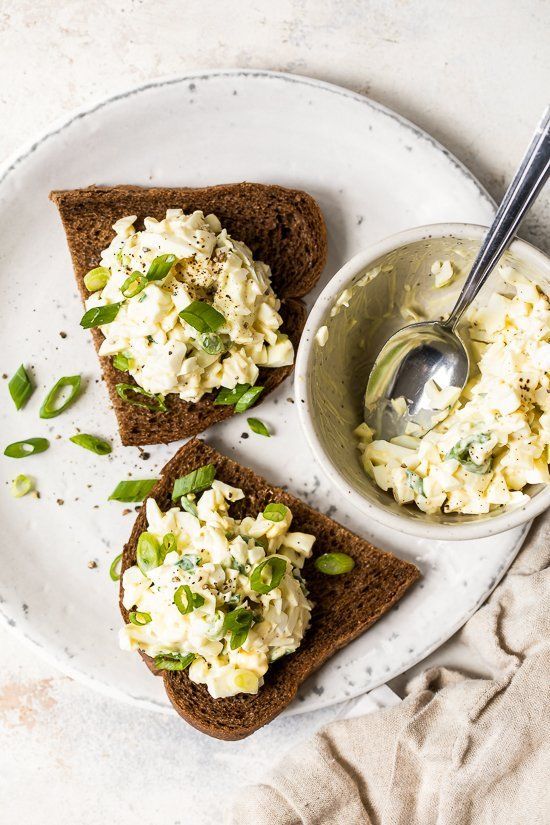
457, 750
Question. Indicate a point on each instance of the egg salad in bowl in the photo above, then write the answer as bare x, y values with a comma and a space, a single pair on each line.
214, 595
185, 309
493, 439
483, 468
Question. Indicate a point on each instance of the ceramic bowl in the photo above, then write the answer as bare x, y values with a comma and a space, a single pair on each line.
395, 288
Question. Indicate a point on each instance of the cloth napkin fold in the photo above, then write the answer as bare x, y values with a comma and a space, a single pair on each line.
457, 750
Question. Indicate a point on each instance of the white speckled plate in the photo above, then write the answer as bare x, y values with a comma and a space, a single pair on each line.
373, 174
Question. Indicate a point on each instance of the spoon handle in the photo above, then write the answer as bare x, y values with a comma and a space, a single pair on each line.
526, 185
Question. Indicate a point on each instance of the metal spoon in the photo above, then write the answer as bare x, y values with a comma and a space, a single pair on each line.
432, 350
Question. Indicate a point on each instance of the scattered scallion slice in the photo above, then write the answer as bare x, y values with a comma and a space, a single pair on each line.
147, 552
97, 316
155, 403
115, 568
29, 446
133, 285
140, 618
416, 482
173, 661
194, 482
242, 396
90, 442
160, 267
202, 316
334, 564
189, 506
211, 343
275, 512
228, 398
121, 362
188, 562
169, 544
133, 491
50, 406
21, 485
461, 452
238, 622
275, 567
248, 398
186, 601
20, 387
96, 279
258, 427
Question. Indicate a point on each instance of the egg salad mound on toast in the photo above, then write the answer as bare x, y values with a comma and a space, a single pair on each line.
218, 596
493, 438
184, 308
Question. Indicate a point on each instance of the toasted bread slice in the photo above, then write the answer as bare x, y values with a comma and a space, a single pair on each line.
283, 227
344, 606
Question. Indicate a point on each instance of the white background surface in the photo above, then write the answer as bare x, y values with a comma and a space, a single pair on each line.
474, 75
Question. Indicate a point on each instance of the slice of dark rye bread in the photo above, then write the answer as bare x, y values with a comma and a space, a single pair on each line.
283, 227
344, 606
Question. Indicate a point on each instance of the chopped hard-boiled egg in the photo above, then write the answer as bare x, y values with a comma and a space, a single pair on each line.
494, 438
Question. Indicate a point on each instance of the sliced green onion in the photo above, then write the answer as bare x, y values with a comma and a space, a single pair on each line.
461, 452
147, 552
115, 568
248, 398
202, 316
173, 661
121, 362
21, 485
97, 316
20, 387
188, 562
189, 506
275, 512
211, 343
242, 396
334, 564
228, 398
186, 601
416, 482
160, 267
134, 284
238, 622
258, 426
155, 404
30, 446
139, 618
194, 482
90, 442
51, 406
275, 567
135, 490
169, 544
97, 278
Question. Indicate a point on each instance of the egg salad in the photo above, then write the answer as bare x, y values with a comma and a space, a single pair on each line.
493, 438
184, 308
220, 596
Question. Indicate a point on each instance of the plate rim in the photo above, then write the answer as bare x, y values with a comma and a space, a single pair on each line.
9, 166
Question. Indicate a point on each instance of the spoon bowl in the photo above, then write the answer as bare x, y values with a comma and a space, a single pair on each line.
398, 397
387, 285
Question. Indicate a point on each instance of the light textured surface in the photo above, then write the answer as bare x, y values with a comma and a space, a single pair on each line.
475, 76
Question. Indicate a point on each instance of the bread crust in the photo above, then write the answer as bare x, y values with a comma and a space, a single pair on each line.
344, 606
283, 227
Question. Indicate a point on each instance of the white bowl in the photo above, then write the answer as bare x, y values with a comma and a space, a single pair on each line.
330, 380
